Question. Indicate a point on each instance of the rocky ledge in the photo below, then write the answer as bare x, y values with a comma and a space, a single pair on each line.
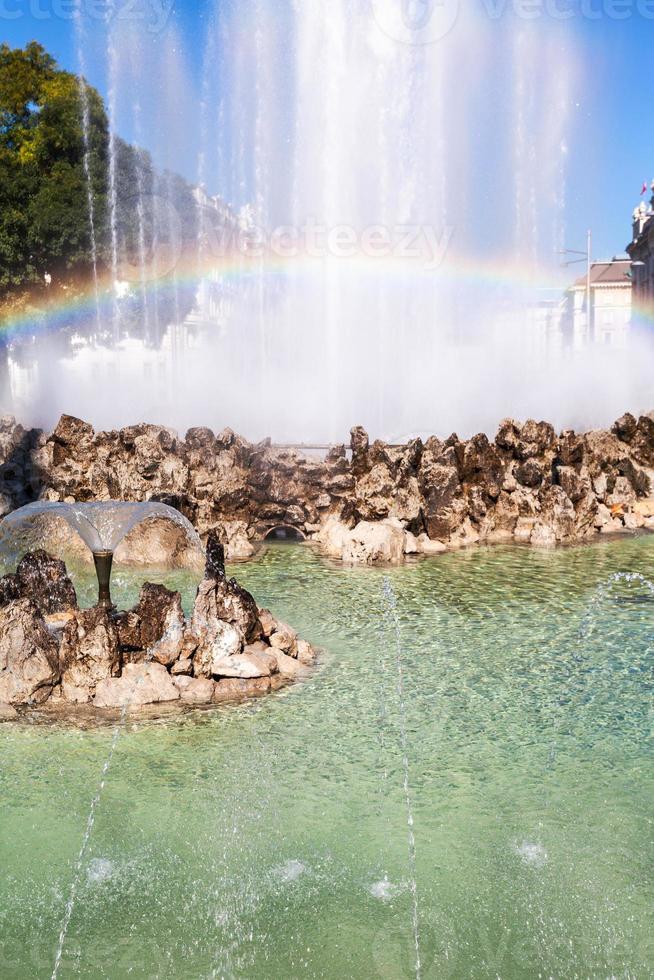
59, 658
369, 503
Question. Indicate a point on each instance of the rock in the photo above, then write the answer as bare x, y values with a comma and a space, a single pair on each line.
216, 641
8, 713
453, 491
241, 665
428, 547
333, 536
155, 625
236, 689
89, 654
215, 566
9, 589
128, 625
200, 438
159, 542
623, 494
285, 639
542, 536
645, 507
234, 535
45, 581
194, 690
371, 543
264, 653
440, 486
138, 685
508, 435
290, 667
625, 427
359, 444
536, 439
410, 544
482, 465
529, 474
220, 599
29, 658
181, 667
305, 653
268, 622
557, 515
574, 484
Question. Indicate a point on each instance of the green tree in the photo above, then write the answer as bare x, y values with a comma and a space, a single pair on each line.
44, 194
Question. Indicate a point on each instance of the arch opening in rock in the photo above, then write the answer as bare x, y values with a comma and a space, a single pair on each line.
284, 532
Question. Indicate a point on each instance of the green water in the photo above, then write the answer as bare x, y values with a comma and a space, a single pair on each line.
271, 840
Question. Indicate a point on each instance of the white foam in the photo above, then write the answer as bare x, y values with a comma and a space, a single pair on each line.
291, 870
384, 890
532, 854
100, 869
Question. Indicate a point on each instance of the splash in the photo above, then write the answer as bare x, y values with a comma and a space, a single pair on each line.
393, 619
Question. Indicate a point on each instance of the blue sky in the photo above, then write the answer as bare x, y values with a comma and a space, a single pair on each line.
611, 136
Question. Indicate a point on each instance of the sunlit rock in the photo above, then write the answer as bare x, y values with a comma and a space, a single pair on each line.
194, 690
89, 654
370, 543
139, 684
155, 626
241, 665
29, 660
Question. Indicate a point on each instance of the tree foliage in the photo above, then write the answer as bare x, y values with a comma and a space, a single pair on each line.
44, 193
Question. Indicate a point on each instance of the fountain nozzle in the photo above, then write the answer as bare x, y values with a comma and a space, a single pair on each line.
103, 562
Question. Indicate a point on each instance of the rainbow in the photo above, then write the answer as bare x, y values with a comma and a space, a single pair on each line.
83, 303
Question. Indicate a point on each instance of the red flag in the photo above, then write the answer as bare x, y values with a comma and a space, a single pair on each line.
644, 190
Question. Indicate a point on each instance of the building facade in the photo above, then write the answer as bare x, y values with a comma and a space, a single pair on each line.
641, 253
608, 319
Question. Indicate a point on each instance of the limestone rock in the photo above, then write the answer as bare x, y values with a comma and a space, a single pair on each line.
332, 537
139, 684
305, 653
89, 654
9, 589
428, 547
217, 640
290, 667
237, 689
8, 713
284, 638
625, 428
268, 622
45, 581
359, 444
155, 625
372, 543
194, 690
29, 660
220, 599
242, 665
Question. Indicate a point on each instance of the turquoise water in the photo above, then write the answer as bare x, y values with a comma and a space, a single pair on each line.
271, 840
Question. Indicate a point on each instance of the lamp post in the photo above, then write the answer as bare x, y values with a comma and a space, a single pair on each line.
585, 257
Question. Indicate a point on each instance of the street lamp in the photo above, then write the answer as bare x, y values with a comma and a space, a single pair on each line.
585, 257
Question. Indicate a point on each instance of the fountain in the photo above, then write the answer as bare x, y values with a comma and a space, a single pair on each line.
102, 526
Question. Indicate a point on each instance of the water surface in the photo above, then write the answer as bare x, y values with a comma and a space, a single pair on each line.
271, 839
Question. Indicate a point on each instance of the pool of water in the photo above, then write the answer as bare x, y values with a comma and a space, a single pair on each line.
465, 789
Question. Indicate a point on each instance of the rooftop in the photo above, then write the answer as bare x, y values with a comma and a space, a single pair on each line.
607, 272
